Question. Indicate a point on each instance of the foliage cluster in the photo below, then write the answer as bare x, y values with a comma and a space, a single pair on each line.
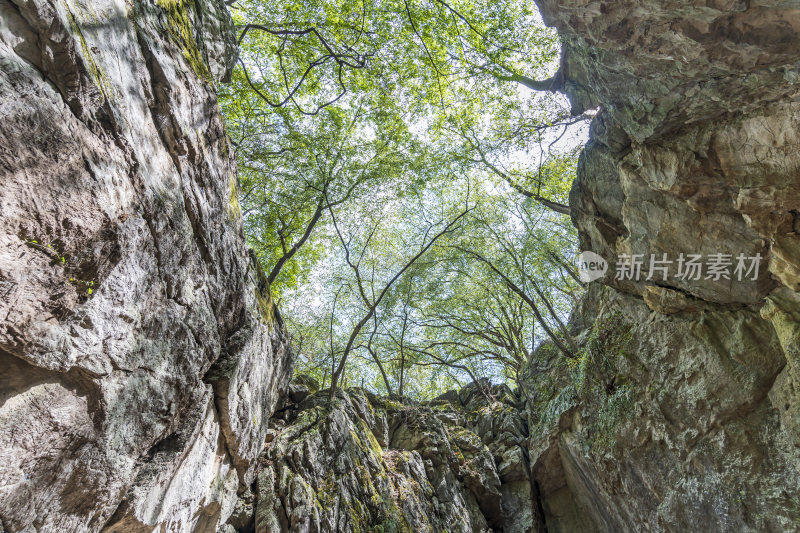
404, 170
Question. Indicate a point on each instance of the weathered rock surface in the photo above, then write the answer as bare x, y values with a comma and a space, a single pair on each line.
665, 423
684, 415
362, 463
139, 359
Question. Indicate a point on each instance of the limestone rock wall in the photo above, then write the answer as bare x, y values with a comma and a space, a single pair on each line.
139, 355
694, 150
666, 423
363, 463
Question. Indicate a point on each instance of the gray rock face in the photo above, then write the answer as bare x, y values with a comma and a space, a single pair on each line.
694, 150
666, 422
684, 414
368, 464
140, 358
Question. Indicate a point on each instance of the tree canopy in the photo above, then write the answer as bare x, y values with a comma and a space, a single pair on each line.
404, 171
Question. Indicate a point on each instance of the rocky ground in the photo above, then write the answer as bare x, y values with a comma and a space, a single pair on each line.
660, 425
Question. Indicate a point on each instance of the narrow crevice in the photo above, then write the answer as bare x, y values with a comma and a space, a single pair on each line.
539, 505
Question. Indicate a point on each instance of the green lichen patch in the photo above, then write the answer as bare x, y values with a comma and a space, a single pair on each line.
234, 209
590, 380
263, 295
615, 408
181, 28
99, 78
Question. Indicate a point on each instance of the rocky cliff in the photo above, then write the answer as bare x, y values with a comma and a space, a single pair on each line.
139, 355
683, 414
362, 463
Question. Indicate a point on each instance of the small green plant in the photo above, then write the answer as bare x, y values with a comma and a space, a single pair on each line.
83, 284
60, 258
48, 249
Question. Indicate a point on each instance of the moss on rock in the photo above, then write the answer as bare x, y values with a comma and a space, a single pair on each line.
180, 24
